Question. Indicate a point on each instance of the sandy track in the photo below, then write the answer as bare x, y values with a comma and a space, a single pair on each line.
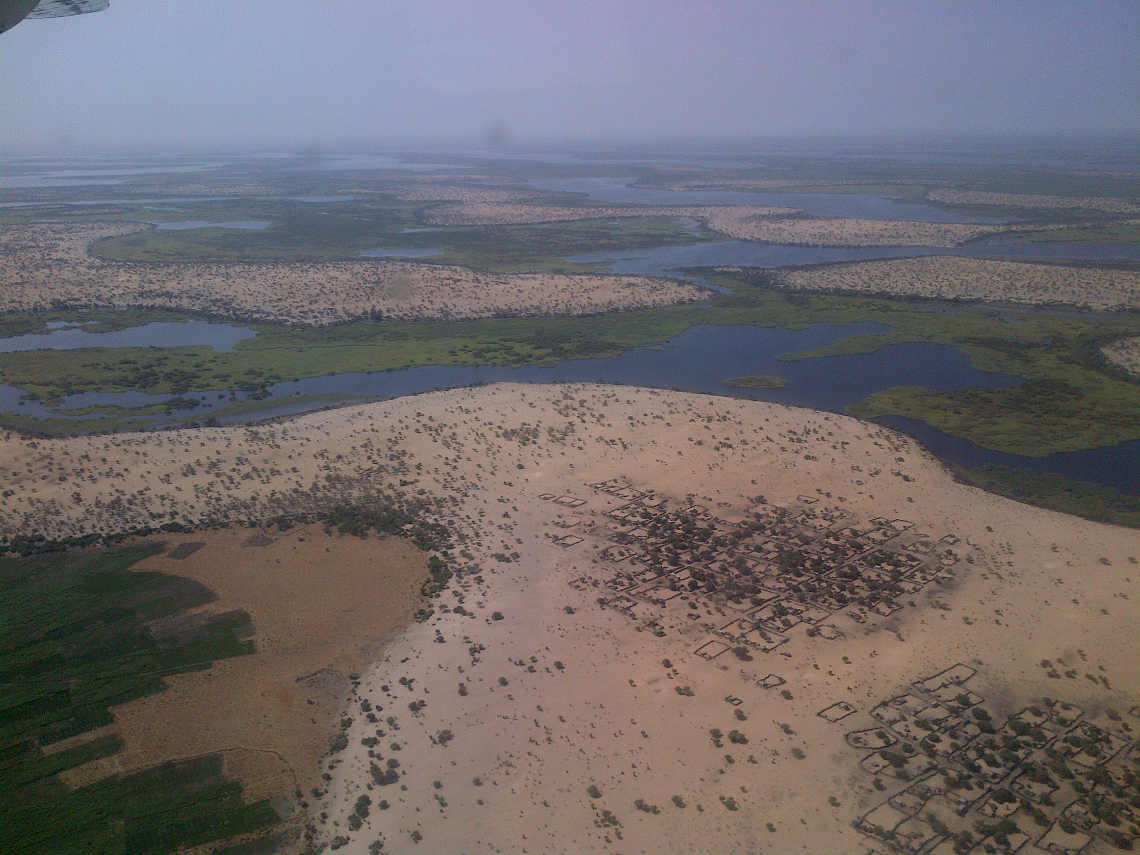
1124, 353
954, 278
559, 693
47, 265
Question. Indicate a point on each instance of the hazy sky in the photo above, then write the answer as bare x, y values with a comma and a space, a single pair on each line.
329, 70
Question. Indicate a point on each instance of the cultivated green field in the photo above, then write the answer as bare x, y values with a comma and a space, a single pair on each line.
75, 640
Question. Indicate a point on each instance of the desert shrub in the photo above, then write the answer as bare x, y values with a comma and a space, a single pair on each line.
643, 805
362, 805
383, 777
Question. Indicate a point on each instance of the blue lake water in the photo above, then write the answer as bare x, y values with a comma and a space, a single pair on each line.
186, 225
313, 199
387, 252
162, 200
1080, 251
670, 260
1115, 466
367, 162
90, 176
221, 337
615, 191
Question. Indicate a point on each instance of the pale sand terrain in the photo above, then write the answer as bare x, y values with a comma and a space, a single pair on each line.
561, 693
842, 231
323, 606
47, 265
1125, 353
954, 278
1033, 200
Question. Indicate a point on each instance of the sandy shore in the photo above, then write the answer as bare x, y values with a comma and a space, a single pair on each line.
46, 265
954, 278
1125, 353
1103, 204
544, 708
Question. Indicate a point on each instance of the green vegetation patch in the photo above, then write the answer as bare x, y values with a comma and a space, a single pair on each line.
1055, 492
75, 639
343, 230
1040, 417
757, 381
299, 231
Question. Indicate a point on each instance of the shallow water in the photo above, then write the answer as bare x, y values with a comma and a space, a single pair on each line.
1114, 465
221, 337
388, 252
186, 225
90, 175
670, 260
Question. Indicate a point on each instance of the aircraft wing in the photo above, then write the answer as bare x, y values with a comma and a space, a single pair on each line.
63, 8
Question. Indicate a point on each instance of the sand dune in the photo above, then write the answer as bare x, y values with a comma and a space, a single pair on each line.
47, 265
1125, 353
1035, 200
527, 715
976, 279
